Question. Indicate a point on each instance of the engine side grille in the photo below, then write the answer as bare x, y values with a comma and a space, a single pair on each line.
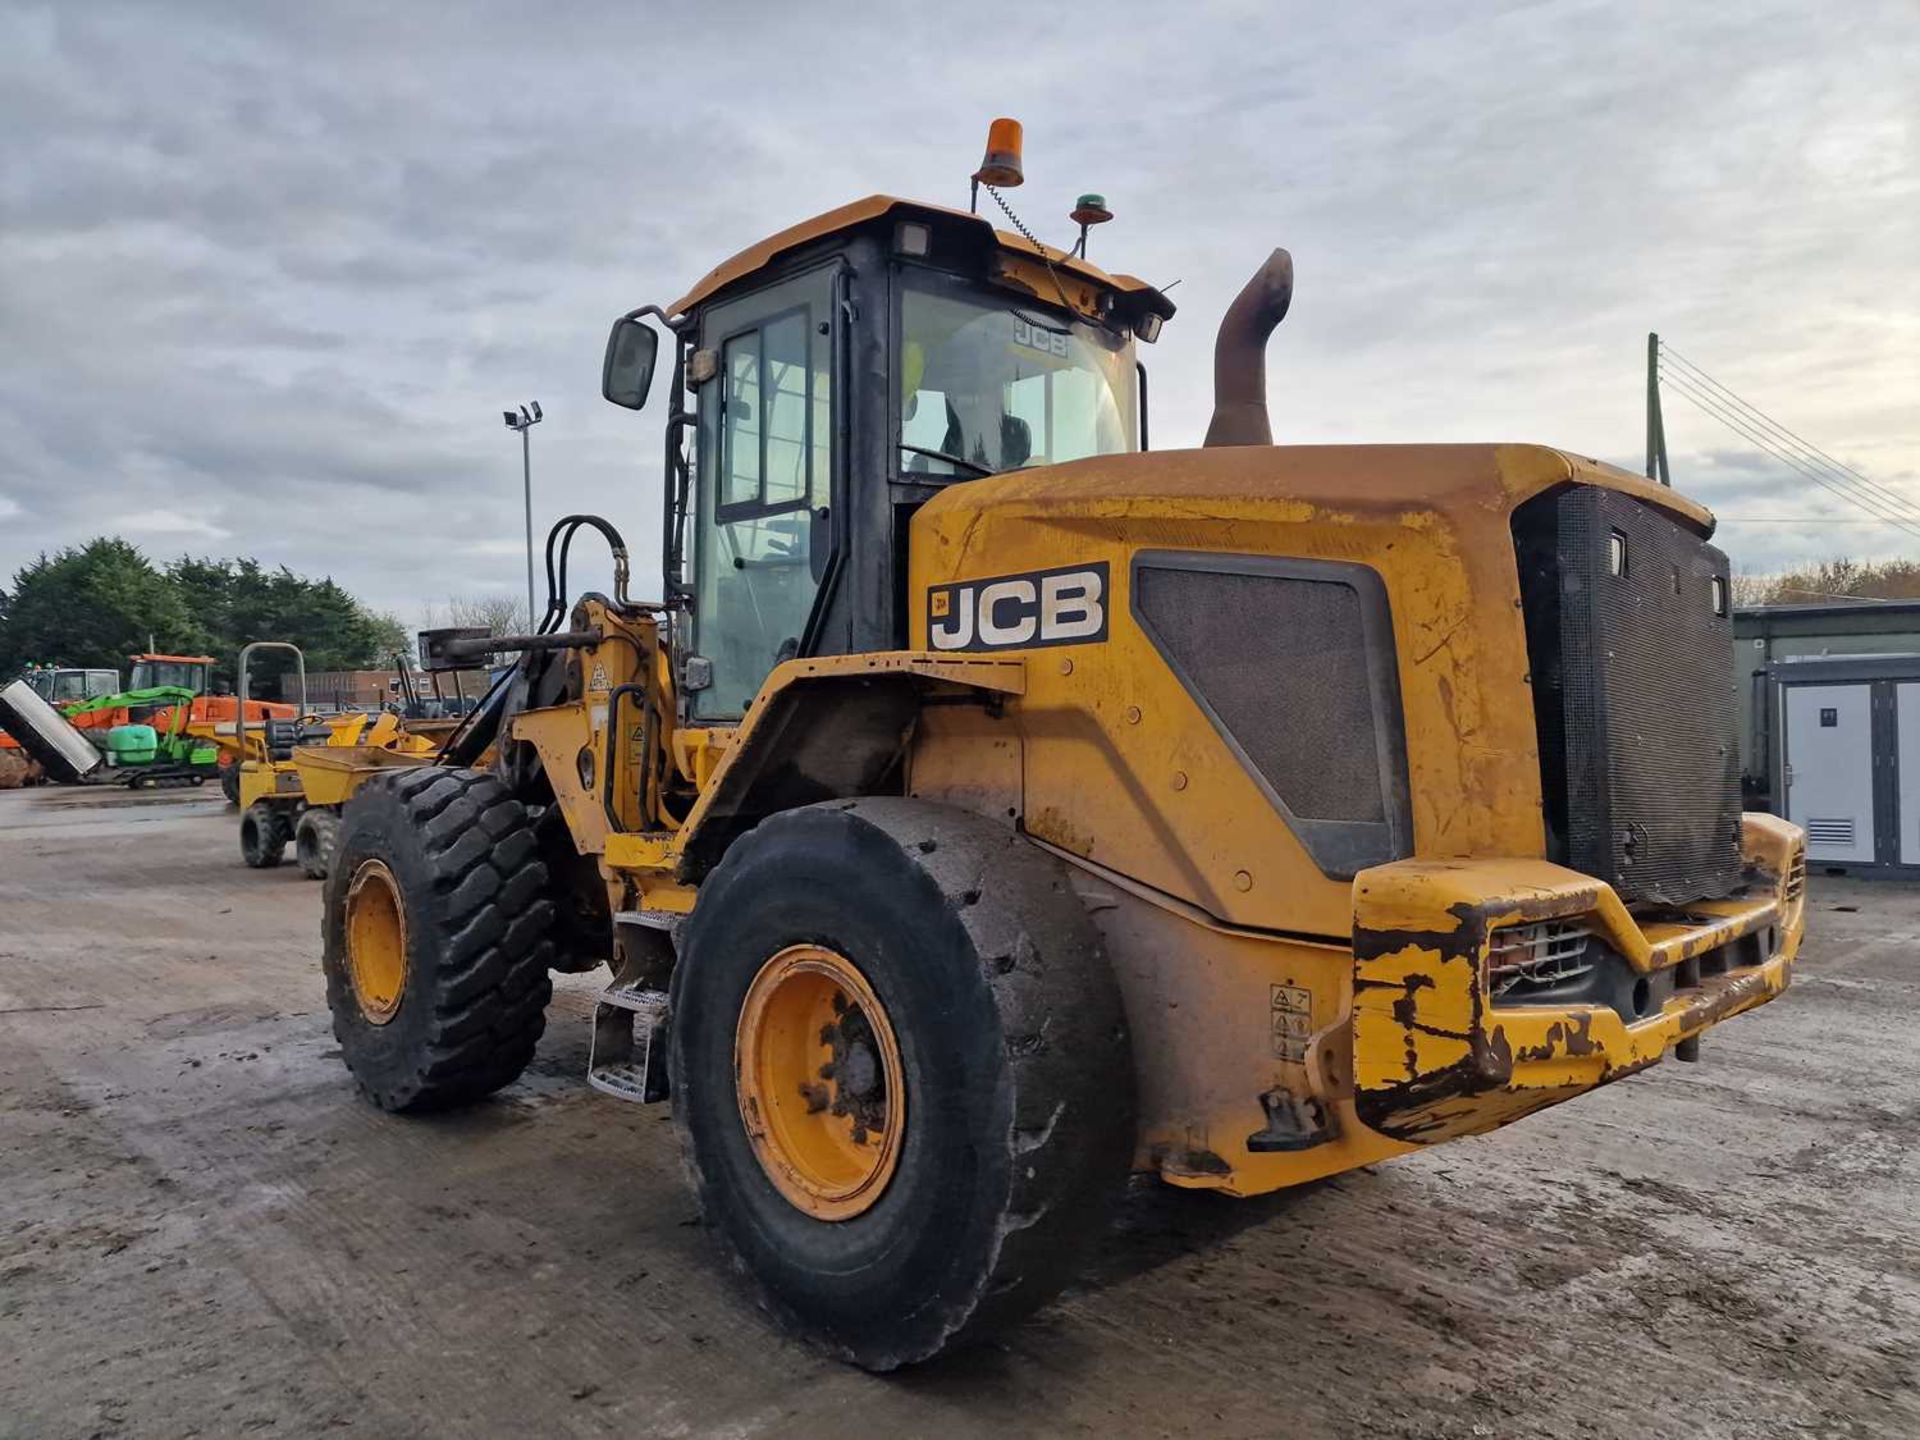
1631, 649
1292, 661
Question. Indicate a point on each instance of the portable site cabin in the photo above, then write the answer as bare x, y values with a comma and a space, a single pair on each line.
1846, 758
1763, 634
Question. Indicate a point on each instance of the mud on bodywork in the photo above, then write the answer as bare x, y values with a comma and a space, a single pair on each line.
1435, 1058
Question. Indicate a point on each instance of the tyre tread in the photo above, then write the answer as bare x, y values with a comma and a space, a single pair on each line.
1070, 1128
488, 992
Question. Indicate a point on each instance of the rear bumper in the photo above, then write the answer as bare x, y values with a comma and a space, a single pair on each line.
1436, 1055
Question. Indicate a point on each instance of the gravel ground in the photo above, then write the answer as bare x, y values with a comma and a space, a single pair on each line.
204, 1232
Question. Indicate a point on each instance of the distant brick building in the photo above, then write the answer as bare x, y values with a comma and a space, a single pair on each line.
345, 689
377, 689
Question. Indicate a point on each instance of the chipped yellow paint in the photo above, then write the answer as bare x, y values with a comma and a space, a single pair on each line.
1435, 1033
1433, 1060
660, 893
647, 851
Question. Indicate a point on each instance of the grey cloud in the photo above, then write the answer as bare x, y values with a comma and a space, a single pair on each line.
279, 268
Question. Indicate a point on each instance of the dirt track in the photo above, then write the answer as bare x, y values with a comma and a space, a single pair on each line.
203, 1232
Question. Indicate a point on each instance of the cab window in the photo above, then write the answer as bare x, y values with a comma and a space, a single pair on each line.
987, 383
187, 675
764, 474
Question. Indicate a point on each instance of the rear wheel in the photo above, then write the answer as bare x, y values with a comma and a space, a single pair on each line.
230, 783
901, 1070
314, 838
264, 833
435, 927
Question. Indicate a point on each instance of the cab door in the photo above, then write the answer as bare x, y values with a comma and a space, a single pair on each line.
763, 482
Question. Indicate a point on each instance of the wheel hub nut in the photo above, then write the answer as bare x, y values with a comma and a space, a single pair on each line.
859, 1073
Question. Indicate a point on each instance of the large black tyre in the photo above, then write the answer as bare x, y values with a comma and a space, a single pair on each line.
264, 833
1017, 1073
314, 838
230, 784
456, 853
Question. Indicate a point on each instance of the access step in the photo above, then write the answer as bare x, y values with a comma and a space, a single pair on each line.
668, 920
629, 1055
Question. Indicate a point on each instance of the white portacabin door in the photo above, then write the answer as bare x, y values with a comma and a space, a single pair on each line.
1829, 760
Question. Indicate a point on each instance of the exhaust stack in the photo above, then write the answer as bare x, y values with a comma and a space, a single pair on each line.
1240, 355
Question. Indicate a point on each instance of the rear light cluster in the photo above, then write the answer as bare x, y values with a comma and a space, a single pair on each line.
1547, 952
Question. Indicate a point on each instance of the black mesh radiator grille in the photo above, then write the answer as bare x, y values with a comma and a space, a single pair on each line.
1631, 651
1292, 660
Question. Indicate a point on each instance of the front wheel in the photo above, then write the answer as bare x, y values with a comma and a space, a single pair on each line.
314, 838
901, 1071
264, 833
435, 925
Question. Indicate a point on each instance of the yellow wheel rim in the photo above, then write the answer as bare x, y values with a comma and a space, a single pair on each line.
821, 1089
376, 942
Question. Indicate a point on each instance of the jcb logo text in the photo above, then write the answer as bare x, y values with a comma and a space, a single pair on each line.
1041, 607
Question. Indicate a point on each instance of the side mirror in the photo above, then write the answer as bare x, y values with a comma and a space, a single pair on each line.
628, 371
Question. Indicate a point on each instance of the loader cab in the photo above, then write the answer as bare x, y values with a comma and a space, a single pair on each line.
830, 381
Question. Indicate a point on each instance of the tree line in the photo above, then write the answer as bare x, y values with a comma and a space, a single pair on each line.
1840, 579
95, 604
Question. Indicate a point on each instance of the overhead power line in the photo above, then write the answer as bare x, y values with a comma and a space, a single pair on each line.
1791, 438
1737, 422
1753, 424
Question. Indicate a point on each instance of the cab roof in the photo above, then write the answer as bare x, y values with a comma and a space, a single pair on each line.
850, 217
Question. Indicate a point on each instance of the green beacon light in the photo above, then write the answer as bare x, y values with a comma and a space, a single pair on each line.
1088, 211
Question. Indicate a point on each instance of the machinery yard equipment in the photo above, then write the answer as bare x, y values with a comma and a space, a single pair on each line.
426, 707
75, 691
35, 727
64, 685
135, 753
990, 807
160, 751
294, 775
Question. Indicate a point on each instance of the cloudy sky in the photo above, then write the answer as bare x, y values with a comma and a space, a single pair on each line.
269, 273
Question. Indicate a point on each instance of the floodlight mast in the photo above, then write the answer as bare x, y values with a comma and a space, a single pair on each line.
523, 422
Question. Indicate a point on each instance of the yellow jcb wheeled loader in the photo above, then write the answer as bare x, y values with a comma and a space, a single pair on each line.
991, 808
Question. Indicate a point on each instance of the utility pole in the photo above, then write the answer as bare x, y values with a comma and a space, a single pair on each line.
1656, 428
523, 422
